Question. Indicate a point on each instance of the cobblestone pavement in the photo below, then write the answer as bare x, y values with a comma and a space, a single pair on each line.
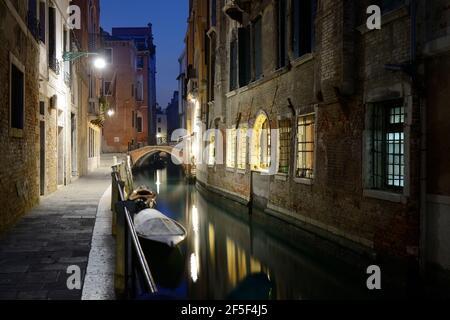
35, 254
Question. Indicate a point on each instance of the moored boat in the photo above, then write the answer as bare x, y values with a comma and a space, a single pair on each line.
152, 225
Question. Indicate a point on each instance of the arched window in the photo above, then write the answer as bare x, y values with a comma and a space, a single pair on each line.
261, 143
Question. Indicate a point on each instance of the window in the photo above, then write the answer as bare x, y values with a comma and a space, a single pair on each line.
305, 146
261, 143
42, 108
139, 124
242, 148
257, 48
159, 130
159, 120
303, 13
140, 62
245, 71
282, 33
233, 65
212, 149
42, 21
139, 91
52, 62
285, 128
231, 148
132, 90
213, 13
212, 67
133, 119
33, 24
108, 52
265, 146
107, 88
17, 98
388, 146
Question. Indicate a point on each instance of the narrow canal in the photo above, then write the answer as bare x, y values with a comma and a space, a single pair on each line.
227, 255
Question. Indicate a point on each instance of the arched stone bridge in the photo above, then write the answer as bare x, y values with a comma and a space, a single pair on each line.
139, 154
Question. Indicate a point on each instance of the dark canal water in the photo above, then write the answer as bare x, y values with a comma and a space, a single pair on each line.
227, 255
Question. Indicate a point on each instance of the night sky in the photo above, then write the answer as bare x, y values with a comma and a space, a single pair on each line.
169, 19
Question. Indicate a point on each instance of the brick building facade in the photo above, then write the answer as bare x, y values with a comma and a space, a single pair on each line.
321, 120
130, 89
19, 109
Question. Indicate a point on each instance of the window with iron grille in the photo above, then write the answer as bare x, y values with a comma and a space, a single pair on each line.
212, 149
388, 146
231, 148
242, 148
285, 128
305, 146
265, 146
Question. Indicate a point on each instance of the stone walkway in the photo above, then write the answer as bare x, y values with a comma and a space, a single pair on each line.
35, 254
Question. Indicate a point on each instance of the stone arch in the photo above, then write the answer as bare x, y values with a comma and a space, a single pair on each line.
141, 153
260, 142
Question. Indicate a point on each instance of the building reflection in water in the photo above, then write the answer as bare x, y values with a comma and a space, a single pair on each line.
225, 256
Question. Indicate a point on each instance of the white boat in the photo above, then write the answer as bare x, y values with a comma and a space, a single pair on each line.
152, 225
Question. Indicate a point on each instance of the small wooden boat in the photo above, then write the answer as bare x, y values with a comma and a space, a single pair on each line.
152, 225
144, 195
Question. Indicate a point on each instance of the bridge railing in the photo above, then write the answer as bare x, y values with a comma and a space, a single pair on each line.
132, 276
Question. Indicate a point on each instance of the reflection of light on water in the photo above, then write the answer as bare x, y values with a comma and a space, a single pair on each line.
195, 223
195, 256
158, 182
194, 267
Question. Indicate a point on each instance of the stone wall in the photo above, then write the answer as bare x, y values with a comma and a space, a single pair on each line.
19, 184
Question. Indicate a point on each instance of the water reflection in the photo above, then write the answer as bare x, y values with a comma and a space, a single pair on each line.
226, 257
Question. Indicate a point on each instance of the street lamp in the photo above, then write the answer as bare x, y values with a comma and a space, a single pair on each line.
111, 112
99, 62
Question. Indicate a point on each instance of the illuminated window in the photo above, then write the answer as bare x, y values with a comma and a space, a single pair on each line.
388, 146
242, 148
305, 146
285, 128
261, 143
231, 148
212, 149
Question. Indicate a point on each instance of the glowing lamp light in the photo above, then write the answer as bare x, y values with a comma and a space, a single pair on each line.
99, 63
111, 112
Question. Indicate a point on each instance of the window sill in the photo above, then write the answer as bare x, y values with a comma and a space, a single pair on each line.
231, 93
308, 182
241, 171
228, 169
384, 195
281, 177
16, 133
302, 59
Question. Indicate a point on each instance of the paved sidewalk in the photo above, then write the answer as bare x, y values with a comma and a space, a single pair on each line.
35, 254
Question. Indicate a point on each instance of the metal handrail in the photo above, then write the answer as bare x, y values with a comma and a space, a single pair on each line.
137, 246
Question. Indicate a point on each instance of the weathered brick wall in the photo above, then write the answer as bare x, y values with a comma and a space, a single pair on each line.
347, 70
19, 185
